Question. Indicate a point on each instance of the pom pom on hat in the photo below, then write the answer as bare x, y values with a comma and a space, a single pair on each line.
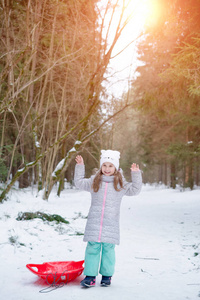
110, 156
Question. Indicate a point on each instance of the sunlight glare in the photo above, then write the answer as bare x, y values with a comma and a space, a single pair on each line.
143, 12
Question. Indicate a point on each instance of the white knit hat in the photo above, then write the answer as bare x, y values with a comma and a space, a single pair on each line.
110, 156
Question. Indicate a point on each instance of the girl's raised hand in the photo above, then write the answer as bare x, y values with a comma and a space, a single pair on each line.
134, 167
79, 160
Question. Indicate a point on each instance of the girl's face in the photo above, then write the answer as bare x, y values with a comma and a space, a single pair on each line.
108, 169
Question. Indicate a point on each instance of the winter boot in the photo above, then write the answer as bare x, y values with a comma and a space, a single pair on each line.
88, 281
106, 281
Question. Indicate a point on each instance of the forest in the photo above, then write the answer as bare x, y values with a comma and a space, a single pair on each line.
54, 104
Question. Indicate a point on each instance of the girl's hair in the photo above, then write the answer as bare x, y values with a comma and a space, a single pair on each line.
117, 180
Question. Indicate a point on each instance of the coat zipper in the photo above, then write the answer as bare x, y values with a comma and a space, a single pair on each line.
102, 214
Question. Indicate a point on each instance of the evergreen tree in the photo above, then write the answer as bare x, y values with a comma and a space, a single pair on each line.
168, 90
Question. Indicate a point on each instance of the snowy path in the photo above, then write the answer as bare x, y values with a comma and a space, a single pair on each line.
158, 258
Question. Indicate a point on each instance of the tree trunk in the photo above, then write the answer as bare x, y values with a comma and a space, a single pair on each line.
165, 173
189, 174
173, 175
197, 171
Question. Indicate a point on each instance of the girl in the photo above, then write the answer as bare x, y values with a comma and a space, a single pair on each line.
107, 188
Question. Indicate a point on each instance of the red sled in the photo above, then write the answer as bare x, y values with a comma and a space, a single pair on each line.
57, 272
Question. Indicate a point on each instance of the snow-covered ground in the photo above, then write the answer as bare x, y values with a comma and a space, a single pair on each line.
158, 258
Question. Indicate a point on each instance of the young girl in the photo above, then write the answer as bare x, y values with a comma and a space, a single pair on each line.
107, 188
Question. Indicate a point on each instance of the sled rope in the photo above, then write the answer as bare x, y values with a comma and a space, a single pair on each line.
54, 285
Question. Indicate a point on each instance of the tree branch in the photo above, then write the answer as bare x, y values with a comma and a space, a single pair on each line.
70, 155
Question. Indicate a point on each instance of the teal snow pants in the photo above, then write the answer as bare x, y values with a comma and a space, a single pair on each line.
102, 254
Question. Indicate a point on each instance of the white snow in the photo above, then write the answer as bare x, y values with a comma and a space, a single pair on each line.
158, 258
37, 144
58, 167
72, 150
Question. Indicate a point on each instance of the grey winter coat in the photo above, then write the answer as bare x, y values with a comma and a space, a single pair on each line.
104, 214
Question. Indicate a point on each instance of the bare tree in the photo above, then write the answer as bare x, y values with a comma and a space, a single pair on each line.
57, 71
